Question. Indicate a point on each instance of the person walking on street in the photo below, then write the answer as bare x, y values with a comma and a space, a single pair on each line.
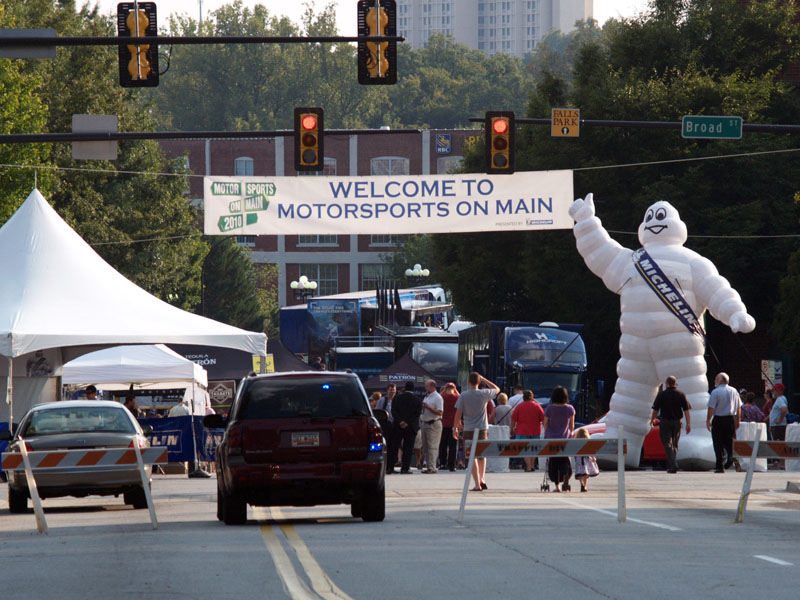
777, 419
471, 406
432, 411
406, 410
670, 404
526, 423
385, 403
725, 407
559, 421
448, 445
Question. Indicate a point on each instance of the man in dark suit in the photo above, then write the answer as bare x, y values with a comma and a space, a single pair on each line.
406, 409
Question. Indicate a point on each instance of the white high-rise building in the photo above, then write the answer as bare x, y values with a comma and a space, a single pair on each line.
512, 26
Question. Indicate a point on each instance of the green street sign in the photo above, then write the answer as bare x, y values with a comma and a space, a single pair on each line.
712, 128
258, 202
230, 222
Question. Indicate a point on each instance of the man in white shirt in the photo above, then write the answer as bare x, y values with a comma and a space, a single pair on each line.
516, 398
432, 411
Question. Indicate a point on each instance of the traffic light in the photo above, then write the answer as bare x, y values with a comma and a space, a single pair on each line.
499, 135
308, 138
377, 62
138, 65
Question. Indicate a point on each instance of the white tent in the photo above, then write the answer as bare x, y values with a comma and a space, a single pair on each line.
59, 300
146, 367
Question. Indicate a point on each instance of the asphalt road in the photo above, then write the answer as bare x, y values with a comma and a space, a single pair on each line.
515, 541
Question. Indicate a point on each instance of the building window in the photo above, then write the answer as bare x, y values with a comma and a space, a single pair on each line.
243, 166
317, 240
449, 164
387, 240
248, 241
326, 276
372, 276
329, 168
388, 165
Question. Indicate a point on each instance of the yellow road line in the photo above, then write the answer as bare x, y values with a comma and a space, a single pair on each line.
323, 585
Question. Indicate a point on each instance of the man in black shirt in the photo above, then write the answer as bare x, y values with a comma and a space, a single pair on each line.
406, 410
672, 404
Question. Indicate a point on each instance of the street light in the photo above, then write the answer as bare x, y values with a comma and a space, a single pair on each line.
417, 274
303, 288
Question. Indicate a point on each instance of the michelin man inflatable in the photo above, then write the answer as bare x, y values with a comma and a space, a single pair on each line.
664, 290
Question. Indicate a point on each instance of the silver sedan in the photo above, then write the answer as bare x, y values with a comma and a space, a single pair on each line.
78, 424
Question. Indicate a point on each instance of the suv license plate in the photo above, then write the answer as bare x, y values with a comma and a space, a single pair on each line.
305, 439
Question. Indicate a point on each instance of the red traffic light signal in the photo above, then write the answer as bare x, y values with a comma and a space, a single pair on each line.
308, 139
377, 61
499, 136
138, 64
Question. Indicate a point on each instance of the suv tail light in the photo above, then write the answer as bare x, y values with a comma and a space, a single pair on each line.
234, 441
375, 436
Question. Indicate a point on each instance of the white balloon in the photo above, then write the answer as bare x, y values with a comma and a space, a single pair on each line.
654, 342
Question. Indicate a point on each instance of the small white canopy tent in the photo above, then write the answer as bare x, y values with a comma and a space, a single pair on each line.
59, 300
152, 367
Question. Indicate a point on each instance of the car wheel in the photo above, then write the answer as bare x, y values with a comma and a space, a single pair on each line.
373, 505
234, 509
17, 501
355, 509
136, 498
219, 503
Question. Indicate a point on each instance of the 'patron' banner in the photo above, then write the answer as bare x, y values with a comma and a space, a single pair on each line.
396, 204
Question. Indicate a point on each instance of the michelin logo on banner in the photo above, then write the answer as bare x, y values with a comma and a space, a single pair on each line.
407, 204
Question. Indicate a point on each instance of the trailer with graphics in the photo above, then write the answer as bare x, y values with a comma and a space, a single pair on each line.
538, 356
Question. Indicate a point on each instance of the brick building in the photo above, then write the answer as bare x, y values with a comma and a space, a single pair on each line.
338, 263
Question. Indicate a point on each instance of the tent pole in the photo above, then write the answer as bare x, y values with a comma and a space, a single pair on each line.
10, 394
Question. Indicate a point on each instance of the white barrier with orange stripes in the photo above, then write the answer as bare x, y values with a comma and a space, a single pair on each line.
759, 449
94, 458
547, 448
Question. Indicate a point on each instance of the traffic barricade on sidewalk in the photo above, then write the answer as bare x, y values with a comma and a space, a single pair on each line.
94, 458
547, 448
759, 449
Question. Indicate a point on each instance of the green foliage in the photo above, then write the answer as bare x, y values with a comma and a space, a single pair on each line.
684, 57
230, 287
140, 224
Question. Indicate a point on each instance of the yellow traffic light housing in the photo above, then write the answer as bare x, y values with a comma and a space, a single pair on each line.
308, 139
138, 63
377, 61
499, 128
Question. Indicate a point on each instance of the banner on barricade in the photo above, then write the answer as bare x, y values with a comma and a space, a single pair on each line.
411, 204
571, 447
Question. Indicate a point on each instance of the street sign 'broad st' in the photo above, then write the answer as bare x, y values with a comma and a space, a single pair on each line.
711, 127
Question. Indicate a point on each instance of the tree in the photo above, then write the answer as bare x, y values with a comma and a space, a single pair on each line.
20, 112
659, 66
230, 287
132, 210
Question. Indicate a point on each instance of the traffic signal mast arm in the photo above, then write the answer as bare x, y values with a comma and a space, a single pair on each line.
189, 41
752, 127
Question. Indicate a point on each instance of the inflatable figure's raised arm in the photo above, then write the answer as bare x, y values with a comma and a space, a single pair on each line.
723, 302
604, 256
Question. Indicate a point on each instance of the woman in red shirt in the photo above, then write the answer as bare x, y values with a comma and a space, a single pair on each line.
526, 422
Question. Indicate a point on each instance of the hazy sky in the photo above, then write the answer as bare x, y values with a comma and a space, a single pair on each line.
345, 9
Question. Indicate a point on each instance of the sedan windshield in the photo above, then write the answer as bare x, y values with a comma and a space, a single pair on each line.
78, 420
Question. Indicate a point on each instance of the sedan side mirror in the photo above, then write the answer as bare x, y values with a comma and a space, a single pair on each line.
6, 435
147, 429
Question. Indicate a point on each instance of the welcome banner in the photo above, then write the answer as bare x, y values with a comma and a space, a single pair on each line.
388, 204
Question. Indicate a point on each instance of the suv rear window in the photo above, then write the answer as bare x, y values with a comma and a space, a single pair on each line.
280, 398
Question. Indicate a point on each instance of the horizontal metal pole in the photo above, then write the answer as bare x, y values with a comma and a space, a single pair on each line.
190, 41
754, 127
33, 138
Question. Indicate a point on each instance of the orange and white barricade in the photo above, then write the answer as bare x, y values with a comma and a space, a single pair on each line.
759, 449
547, 448
90, 458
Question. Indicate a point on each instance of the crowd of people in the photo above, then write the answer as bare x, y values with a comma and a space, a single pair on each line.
430, 428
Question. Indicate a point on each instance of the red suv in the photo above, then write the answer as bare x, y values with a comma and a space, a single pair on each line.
300, 439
